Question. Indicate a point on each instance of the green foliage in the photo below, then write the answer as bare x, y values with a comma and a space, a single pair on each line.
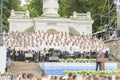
84, 72
35, 7
78, 60
7, 6
66, 8
82, 6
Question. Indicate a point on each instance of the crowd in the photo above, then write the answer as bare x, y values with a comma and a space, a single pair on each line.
8, 76
20, 44
38, 41
45, 76
45, 44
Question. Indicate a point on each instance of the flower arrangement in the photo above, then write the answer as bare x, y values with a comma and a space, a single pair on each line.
84, 72
62, 60
67, 72
78, 60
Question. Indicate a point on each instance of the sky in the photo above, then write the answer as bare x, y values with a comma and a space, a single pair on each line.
23, 2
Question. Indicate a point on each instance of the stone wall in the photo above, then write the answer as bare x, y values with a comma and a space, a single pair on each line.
114, 46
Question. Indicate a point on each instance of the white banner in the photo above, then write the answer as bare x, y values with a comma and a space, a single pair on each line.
2, 59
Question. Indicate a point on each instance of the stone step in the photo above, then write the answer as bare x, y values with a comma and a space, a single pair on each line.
23, 67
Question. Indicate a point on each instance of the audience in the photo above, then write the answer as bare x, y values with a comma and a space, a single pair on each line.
6, 75
45, 76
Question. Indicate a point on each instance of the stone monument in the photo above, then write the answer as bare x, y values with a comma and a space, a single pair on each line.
50, 21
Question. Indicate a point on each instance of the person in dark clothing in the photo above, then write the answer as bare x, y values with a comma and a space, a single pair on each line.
16, 55
23, 56
13, 55
8, 64
97, 55
106, 54
20, 56
8, 52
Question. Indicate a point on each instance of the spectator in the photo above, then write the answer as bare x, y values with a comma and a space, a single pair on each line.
7, 71
44, 76
31, 77
24, 77
69, 76
74, 77
55, 78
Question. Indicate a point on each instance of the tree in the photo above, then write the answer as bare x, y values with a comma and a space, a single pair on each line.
7, 6
82, 6
35, 7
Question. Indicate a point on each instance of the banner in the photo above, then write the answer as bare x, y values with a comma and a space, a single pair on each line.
2, 59
56, 68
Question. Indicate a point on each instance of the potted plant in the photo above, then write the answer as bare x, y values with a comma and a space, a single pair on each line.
79, 75
76, 60
66, 72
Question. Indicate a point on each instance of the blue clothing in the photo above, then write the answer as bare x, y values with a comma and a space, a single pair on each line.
9, 62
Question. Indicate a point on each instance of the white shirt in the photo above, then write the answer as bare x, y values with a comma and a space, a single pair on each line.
44, 79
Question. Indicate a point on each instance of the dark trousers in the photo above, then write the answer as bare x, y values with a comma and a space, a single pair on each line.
97, 65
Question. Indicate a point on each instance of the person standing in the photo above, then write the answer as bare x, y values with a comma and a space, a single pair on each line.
8, 64
97, 55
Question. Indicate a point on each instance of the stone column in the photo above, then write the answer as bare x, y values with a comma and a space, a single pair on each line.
27, 13
118, 20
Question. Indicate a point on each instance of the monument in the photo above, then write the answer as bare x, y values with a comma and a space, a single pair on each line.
50, 21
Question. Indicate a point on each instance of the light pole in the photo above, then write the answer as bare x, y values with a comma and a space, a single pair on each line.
1, 4
1, 35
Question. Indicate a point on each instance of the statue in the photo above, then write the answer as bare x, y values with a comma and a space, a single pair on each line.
50, 8
12, 12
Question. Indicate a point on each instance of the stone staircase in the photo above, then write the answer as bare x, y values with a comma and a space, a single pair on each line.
118, 64
25, 67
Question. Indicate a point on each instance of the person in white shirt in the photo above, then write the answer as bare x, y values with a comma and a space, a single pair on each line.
44, 76
63, 48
